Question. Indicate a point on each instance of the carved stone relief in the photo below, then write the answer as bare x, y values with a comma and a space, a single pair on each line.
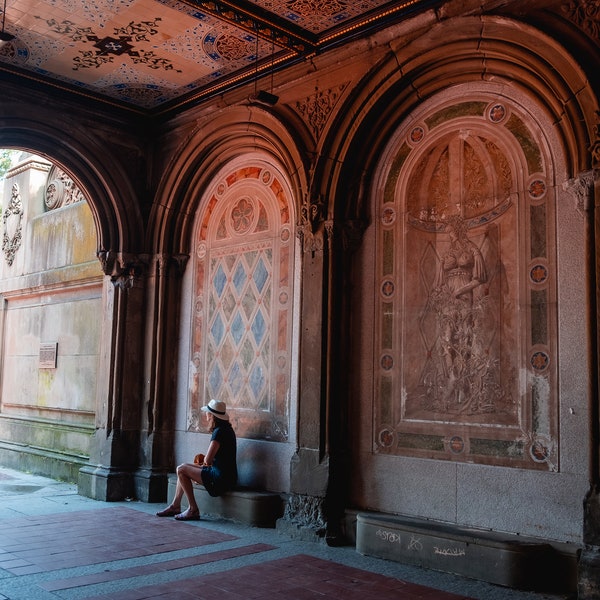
315, 109
13, 228
466, 300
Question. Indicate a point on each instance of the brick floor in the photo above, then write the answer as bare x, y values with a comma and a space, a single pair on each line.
47, 543
151, 569
299, 577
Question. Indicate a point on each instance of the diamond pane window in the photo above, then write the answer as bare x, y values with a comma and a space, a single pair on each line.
244, 254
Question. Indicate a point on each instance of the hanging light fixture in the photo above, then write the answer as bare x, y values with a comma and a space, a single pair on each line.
262, 96
4, 35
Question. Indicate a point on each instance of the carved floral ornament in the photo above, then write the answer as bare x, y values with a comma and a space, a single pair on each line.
61, 190
315, 109
585, 14
12, 225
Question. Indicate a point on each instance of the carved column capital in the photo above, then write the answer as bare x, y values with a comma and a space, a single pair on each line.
165, 261
310, 224
582, 189
352, 232
123, 268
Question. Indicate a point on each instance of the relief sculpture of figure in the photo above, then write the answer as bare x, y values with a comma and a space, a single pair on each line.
459, 376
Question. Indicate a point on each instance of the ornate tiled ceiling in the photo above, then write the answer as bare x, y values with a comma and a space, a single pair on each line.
154, 55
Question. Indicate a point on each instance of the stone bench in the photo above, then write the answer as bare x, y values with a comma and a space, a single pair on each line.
252, 507
503, 559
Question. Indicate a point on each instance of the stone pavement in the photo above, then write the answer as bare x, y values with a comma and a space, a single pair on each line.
55, 544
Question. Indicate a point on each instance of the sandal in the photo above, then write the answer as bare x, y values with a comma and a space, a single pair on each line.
168, 512
187, 516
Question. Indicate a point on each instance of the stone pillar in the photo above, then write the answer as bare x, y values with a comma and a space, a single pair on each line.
587, 192
114, 447
160, 378
304, 514
316, 504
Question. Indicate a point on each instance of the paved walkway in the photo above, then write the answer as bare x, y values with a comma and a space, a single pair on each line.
55, 544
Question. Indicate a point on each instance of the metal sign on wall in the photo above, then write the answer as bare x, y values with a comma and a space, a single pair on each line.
48, 353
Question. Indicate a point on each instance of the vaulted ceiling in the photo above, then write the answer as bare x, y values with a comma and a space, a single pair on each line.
153, 55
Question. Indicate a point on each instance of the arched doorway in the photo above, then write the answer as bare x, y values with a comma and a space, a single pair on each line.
50, 289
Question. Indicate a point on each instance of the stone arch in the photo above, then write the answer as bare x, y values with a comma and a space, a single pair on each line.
224, 137
491, 48
243, 298
91, 167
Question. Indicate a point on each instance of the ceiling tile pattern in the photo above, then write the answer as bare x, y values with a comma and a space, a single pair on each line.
152, 54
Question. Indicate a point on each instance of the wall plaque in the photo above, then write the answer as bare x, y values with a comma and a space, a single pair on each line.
48, 355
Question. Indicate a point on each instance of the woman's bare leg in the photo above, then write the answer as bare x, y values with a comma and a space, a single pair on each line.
186, 474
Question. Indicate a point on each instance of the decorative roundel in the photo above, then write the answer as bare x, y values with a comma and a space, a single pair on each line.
388, 216
284, 236
201, 250
417, 134
281, 361
538, 274
199, 306
266, 177
387, 362
537, 189
388, 288
386, 437
497, 113
540, 451
221, 188
540, 361
55, 192
283, 297
456, 444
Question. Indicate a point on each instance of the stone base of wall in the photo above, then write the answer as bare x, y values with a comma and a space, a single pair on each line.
106, 484
502, 559
63, 467
252, 507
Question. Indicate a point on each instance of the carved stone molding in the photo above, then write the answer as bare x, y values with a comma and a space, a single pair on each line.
582, 189
586, 15
315, 109
13, 228
595, 145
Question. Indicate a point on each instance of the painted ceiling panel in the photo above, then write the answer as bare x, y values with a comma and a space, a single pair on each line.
152, 54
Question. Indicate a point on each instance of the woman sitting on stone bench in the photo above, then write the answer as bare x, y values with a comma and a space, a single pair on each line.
217, 472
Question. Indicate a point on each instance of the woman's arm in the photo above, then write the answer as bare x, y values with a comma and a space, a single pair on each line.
210, 453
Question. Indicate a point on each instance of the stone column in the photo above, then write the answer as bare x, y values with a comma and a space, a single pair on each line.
304, 514
587, 192
160, 378
114, 447
316, 503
